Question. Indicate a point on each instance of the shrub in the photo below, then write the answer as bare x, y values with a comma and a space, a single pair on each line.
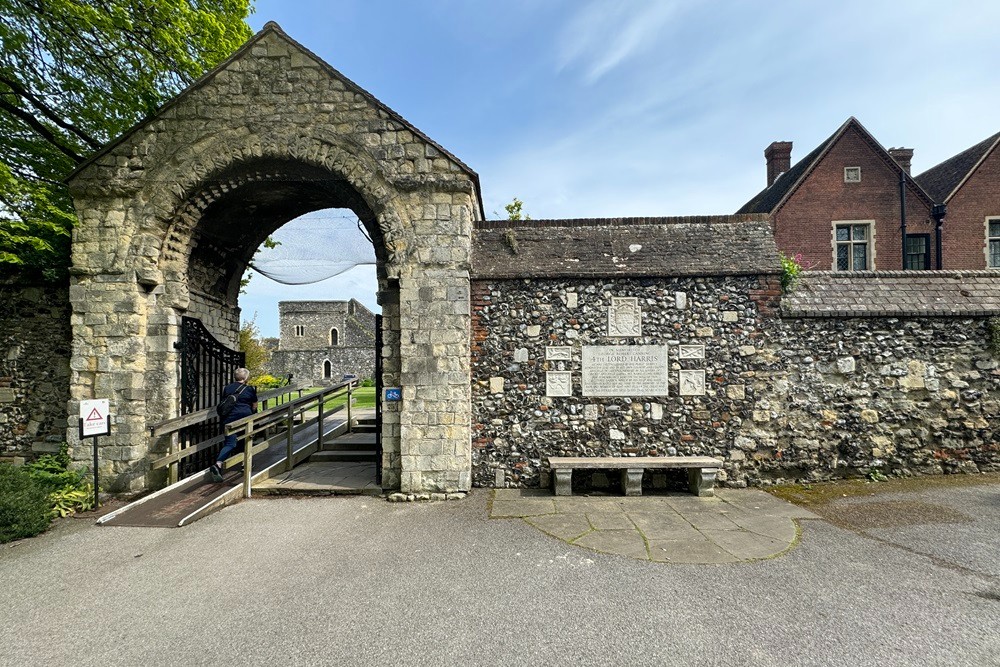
267, 382
791, 267
368, 382
25, 510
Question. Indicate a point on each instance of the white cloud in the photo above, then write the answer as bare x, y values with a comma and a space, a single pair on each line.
603, 35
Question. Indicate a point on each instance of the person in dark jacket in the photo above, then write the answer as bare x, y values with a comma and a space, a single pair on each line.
246, 405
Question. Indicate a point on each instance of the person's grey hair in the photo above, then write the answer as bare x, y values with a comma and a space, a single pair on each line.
242, 374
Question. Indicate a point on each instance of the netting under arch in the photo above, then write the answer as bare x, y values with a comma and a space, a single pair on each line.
314, 247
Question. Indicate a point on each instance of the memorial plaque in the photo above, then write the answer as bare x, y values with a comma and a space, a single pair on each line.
624, 370
692, 383
691, 352
559, 353
624, 316
559, 383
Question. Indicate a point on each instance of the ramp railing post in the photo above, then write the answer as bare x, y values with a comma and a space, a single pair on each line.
288, 439
175, 444
247, 458
319, 419
350, 424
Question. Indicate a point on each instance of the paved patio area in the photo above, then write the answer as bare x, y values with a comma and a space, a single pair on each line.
736, 525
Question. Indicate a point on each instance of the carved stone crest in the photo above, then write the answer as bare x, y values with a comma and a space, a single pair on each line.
624, 317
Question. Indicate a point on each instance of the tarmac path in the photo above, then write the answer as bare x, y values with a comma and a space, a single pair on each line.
360, 581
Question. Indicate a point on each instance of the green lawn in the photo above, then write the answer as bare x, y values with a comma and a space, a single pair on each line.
364, 397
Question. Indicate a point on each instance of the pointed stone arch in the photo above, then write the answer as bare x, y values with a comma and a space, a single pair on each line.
171, 212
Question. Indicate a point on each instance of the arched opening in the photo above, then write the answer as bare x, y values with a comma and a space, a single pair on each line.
334, 337
327, 370
179, 204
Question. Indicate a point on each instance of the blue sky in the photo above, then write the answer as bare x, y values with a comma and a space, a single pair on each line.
600, 108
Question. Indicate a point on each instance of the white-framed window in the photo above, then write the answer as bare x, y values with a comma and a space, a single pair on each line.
993, 242
300, 330
334, 337
854, 245
852, 174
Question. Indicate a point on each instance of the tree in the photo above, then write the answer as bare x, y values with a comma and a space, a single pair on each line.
75, 74
257, 354
514, 211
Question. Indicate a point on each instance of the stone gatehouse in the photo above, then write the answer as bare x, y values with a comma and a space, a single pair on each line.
323, 340
511, 341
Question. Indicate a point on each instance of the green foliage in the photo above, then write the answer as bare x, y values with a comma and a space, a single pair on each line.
24, 504
72, 498
993, 335
52, 471
267, 382
257, 354
791, 267
876, 475
515, 210
75, 74
367, 382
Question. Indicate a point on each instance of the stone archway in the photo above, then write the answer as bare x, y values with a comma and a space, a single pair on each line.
171, 213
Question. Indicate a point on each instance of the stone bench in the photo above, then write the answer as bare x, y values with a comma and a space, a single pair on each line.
701, 471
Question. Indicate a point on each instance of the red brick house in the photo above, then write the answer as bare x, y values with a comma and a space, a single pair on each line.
968, 184
842, 206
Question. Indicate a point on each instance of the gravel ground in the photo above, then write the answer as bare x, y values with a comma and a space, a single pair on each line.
359, 581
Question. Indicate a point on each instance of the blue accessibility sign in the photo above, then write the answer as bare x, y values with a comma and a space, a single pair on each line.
393, 394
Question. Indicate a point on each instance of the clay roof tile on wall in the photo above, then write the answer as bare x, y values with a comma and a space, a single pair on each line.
894, 294
624, 247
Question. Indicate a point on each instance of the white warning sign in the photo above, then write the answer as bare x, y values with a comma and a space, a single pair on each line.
94, 417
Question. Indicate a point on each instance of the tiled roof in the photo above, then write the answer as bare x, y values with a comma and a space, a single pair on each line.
893, 294
767, 199
941, 180
770, 198
624, 247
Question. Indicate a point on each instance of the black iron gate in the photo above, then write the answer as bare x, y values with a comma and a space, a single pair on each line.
206, 367
378, 399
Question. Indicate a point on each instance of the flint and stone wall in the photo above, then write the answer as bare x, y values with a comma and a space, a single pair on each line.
34, 370
785, 398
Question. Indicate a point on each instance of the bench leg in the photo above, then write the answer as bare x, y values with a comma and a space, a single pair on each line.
562, 479
701, 481
632, 481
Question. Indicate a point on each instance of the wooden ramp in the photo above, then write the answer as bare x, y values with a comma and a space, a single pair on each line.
190, 499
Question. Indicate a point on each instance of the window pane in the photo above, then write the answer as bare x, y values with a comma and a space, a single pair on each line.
995, 254
843, 261
860, 232
995, 228
843, 233
860, 257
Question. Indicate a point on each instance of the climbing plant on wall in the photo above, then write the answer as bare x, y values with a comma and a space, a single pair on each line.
75, 74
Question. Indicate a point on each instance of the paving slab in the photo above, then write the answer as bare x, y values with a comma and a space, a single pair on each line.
566, 527
689, 552
739, 525
324, 479
621, 542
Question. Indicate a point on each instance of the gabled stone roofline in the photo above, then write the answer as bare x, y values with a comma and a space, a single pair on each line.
622, 222
273, 27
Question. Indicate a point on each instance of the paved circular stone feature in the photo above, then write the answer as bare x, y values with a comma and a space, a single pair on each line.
736, 525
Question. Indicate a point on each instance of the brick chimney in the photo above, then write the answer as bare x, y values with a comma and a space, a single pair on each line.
779, 159
903, 157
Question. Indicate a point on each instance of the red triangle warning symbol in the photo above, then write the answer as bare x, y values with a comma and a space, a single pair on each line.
94, 416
